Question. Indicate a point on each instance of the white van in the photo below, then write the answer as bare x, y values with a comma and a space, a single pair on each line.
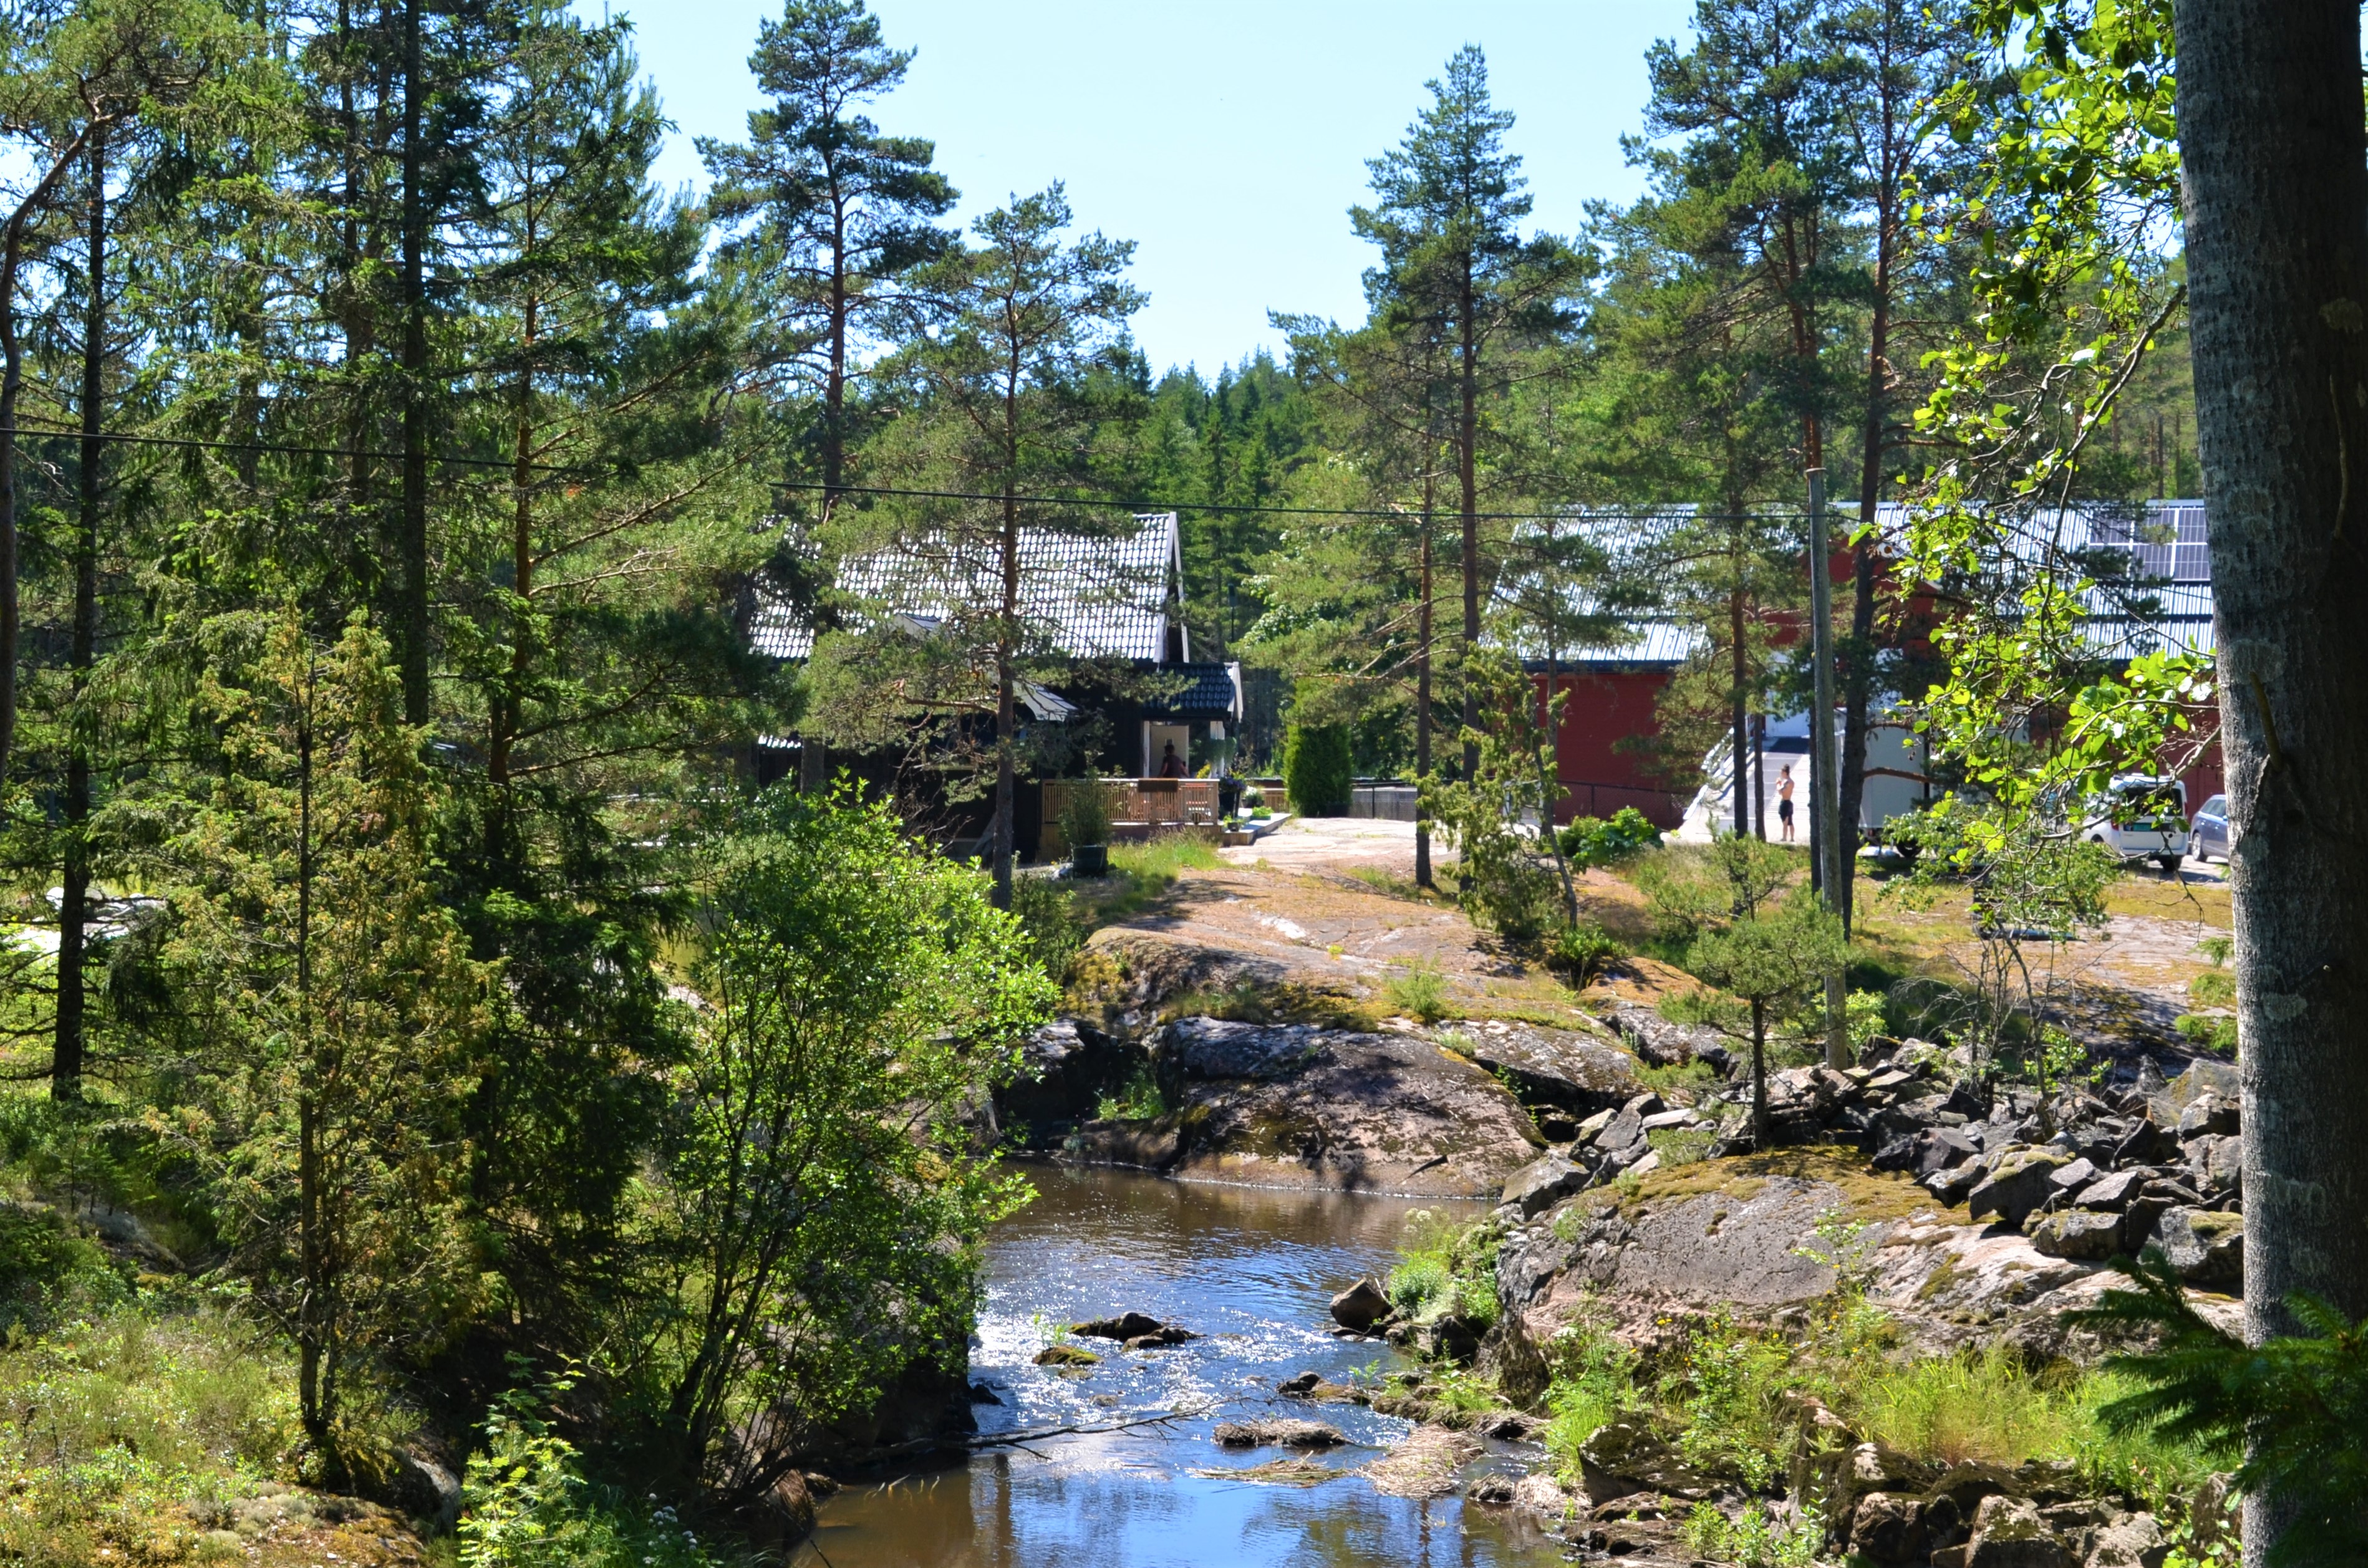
2140, 816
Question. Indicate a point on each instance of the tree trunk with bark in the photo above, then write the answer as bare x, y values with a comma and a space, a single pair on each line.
1422, 873
411, 534
70, 1047
1467, 473
2271, 135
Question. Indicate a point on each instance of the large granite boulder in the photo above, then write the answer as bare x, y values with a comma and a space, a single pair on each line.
1580, 1072
1301, 1105
2207, 1249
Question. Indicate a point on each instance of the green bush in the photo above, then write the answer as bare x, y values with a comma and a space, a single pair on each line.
1754, 1538
1445, 1270
1581, 952
43, 1264
1593, 1381
1048, 912
529, 1504
1418, 990
1315, 770
113, 1424
1594, 841
1085, 813
1140, 1098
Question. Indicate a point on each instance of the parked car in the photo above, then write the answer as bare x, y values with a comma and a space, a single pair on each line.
2208, 833
2140, 817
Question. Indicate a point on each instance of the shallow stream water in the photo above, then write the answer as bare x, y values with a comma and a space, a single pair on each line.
1251, 1269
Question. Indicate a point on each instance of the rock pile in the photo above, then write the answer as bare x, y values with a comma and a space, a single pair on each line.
2086, 1175
1881, 1508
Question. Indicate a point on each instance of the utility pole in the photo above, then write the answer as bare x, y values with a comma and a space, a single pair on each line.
1825, 800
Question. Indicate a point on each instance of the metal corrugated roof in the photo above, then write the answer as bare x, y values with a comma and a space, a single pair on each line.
2162, 598
1087, 595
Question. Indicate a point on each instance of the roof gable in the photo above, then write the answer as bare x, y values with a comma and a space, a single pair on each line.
1085, 595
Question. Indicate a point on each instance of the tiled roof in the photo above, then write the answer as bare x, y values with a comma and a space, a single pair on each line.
1088, 596
1208, 690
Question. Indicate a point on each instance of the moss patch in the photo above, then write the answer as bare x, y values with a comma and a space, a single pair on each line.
1868, 1195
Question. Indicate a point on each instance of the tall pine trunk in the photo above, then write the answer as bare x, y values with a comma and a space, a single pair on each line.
1857, 671
71, 1045
1422, 874
2271, 130
1468, 475
411, 541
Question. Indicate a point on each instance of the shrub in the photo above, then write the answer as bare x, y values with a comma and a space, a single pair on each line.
112, 1424
1445, 1270
529, 1506
1593, 1379
1418, 990
1582, 951
1756, 1537
1867, 1019
1593, 841
1728, 1389
1085, 813
1315, 770
43, 1264
1682, 1145
1140, 1098
861, 989
1048, 912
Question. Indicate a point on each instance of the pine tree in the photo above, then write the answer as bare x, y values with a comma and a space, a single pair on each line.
1005, 337
1448, 203
819, 203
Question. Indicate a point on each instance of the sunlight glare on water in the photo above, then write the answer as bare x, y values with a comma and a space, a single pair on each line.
1249, 1268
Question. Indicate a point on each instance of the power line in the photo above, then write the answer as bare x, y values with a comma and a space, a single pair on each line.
1107, 502
125, 438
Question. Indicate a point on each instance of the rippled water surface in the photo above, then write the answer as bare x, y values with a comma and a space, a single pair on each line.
1250, 1268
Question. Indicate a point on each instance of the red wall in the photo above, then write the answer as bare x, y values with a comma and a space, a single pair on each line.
1604, 708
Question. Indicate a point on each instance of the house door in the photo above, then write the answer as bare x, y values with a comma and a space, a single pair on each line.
1157, 740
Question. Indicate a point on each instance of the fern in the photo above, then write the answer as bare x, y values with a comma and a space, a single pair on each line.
2296, 1405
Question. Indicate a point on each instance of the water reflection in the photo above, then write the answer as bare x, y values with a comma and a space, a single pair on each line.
1251, 1269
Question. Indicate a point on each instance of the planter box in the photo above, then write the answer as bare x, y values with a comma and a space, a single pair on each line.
1089, 860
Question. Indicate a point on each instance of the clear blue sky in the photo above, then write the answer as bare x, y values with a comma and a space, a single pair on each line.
1227, 138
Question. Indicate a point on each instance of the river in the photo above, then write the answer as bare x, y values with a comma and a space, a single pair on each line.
1251, 1269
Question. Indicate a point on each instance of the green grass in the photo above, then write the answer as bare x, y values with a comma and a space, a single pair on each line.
1165, 858
1418, 990
130, 1431
1726, 1394
1445, 1270
1140, 875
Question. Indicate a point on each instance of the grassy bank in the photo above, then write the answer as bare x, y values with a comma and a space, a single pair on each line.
1729, 1396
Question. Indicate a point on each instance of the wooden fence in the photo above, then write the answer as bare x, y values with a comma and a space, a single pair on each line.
1138, 808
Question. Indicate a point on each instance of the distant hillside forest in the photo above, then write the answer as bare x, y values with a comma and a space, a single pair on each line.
390, 473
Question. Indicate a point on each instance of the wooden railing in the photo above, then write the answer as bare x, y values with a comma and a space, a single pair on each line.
1138, 808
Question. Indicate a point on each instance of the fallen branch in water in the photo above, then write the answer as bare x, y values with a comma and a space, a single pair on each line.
1021, 1439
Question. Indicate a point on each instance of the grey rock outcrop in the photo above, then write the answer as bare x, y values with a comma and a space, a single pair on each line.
1579, 1072
2207, 1249
1542, 1182
1299, 1106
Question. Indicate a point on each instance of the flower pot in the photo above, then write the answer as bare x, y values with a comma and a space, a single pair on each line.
1089, 860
